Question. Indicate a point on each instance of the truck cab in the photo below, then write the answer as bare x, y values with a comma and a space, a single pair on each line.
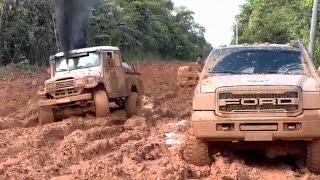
90, 80
256, 93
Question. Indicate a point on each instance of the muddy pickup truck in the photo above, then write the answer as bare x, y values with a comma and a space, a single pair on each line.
265, 96
91, 80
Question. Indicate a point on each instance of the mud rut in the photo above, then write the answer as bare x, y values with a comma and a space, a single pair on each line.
148, 147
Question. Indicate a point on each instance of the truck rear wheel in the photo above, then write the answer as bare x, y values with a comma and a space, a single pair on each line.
196, 151
101, 103
133, 105
46, 115
313, 158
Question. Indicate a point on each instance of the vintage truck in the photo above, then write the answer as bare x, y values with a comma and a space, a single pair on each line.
262, 94
91, 80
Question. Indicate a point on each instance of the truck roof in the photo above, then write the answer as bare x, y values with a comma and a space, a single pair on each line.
260, 46
90, 49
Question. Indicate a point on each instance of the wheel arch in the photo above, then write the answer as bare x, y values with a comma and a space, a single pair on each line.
100, 86
134, 86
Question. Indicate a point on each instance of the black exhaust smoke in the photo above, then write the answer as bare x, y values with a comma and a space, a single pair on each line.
72, 19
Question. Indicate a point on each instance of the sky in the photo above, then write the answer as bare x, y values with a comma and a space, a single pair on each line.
217, 16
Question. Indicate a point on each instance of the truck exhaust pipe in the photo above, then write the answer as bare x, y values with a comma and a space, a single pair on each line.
72, 18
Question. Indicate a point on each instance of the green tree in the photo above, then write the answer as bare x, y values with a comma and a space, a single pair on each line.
139, 27
276, 21
148, 27
26, 31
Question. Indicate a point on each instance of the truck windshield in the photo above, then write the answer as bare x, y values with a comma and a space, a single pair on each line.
256, 62
81, 62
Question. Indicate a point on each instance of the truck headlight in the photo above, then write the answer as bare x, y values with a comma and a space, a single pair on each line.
91, 80
79, 82
49, 86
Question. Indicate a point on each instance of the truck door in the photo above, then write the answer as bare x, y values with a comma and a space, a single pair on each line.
114, 74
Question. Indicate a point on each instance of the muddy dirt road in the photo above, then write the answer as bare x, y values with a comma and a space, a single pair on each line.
148, 147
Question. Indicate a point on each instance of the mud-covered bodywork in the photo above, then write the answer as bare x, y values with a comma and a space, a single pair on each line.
258, 93
252, 94
74, 81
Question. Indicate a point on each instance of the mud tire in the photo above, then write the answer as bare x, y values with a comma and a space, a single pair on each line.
133, 105
313, 157
101, 102
196, 151
46, 116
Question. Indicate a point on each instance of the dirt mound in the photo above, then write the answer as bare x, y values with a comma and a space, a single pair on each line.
148, 147
160, 81
188, 76
17, 90
18, 98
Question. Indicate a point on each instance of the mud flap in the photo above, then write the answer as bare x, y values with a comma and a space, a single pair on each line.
258, 137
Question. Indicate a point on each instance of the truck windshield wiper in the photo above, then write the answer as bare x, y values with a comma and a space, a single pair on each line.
270, 72
229, 72
82, 67
274, 72
62, 70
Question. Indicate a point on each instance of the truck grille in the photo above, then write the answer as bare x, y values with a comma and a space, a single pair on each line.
64, 84
66, 93
263, 95
233, 102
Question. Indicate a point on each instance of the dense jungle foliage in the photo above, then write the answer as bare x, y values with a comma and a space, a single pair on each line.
141, 28
276, 21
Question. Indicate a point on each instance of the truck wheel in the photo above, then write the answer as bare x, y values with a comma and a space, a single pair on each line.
133, 105
196, 151
101, 103
46, 116
313, 158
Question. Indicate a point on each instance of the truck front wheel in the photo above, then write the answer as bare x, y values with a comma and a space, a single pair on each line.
101, 103
46, 115
133, 105
313, 158
196, 151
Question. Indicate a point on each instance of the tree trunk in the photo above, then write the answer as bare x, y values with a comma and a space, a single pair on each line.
1, 12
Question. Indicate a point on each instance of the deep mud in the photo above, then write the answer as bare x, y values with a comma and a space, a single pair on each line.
116, 148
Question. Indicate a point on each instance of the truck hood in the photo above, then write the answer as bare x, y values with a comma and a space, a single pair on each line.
76, 74
212, 83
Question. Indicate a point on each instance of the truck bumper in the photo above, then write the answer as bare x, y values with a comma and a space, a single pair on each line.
214, 128
52, 102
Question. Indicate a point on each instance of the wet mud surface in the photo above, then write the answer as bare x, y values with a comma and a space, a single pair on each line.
148, 147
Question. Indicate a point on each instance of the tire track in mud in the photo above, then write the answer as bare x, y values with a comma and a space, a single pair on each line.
82, 147
44, 150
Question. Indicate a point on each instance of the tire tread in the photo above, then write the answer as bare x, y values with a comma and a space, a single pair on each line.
196, 151
313, 157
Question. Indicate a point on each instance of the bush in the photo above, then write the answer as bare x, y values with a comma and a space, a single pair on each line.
23, 64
